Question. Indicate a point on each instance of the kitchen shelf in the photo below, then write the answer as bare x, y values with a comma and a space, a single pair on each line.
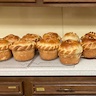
84, 64
12, 63
39, 67
26, 77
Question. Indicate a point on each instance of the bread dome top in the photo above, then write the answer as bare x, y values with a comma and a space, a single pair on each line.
90, 35
70, 47
31, 37
70, 36
51, 35
11, 38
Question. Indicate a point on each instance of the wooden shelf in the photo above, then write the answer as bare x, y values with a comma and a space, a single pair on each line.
62, 1
49, 3
10, 1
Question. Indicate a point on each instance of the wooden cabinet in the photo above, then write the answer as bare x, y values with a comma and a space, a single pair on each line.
11, 89
69, 88
47, 86
61, 1
18, 1
59, 86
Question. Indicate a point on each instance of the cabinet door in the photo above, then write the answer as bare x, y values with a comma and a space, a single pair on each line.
17, 0
11, 89
64, 88
61, 1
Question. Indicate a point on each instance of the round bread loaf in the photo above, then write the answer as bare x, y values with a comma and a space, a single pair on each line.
23, 50
70, 52
48, 48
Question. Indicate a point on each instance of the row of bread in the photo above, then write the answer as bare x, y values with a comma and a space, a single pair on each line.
70, 48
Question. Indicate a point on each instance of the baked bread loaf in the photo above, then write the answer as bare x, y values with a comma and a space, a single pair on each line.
48, 48
70, 36
23, 50
70, 52
11, 38
89, 45
52, 35
5, 53
31, 37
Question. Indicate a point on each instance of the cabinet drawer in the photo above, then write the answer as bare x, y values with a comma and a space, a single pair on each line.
17, 1
64, 88
61, 1
14, 88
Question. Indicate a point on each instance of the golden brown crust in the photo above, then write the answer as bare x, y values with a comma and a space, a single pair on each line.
51, 35
89, 41
22, 45
89, 53
70, 59
4, 45
90, 35
89, 44
48, 55
70, 36
31, 37
69, 47
5, 55
11, 38
48, 44
23, 55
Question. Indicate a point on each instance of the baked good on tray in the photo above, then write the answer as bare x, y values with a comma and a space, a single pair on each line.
70, 36
11, 38
23, 50
5, 53
32, 37
89, 45
70, 52
48, 48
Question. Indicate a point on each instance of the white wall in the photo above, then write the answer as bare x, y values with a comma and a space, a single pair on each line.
22, 20
39, 20
79, 20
